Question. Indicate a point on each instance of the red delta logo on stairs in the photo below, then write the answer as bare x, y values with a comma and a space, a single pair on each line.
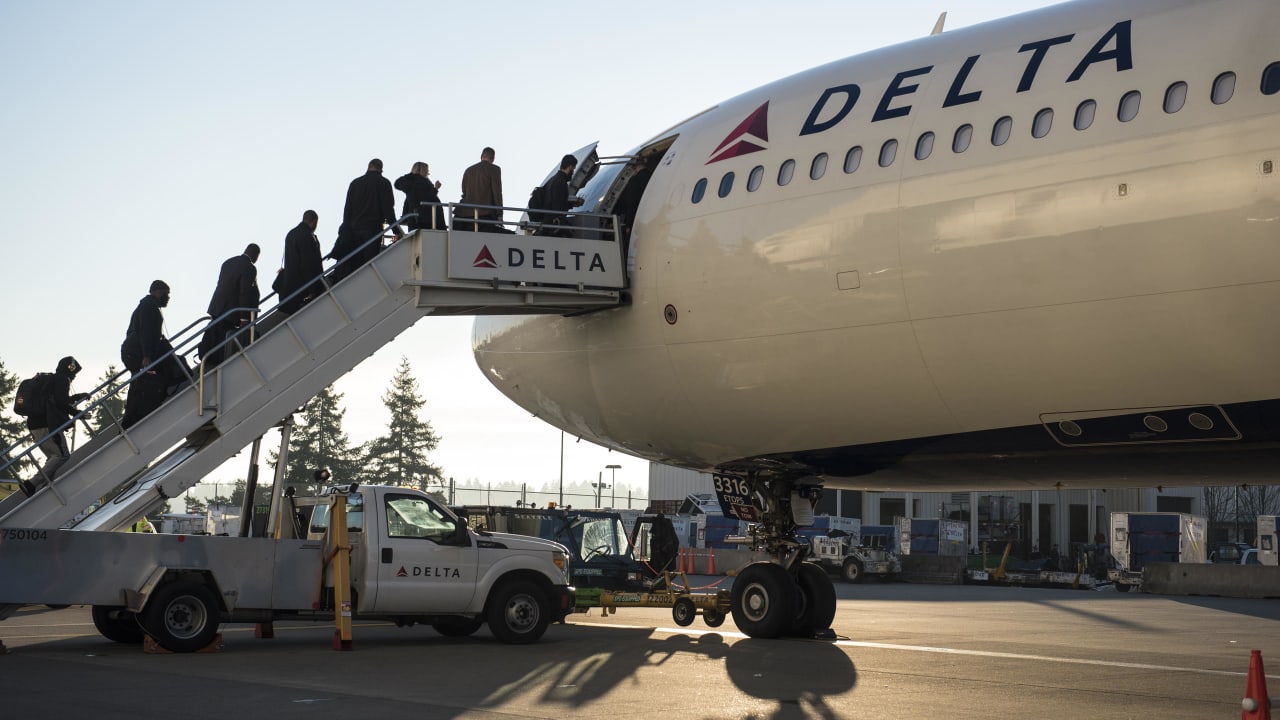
484, 259
401, 572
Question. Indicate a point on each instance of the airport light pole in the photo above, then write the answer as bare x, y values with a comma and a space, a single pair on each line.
613, 483
599, 485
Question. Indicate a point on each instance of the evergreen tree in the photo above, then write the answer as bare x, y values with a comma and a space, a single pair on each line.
13, 430
101, 417
400, 456
318, 441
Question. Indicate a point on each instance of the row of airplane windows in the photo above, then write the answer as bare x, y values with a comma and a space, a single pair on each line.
1175, 97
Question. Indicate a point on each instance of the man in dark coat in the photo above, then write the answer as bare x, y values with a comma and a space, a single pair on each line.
58, 407
555, 196
144, 343
370, 206
233, 305
303, 269
481, 186
418, 188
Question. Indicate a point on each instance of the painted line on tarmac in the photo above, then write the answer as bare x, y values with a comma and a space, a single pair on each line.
957, 651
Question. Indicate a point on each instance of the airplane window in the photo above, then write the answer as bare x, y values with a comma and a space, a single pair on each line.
1175, 97
1085, 113
1043, 123
1271, 79
1129, 106
924, 146
964, 136
786, 172
819, 166
753, 180
1224, 86
726, 184
699, 189
1000, 133
853, 158
888, 153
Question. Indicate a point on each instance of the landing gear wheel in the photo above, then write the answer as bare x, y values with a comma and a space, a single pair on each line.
182, 616
457, 626
817, 601
684, 611
764, 600
852, 570
518, 613
713, 618
117, 624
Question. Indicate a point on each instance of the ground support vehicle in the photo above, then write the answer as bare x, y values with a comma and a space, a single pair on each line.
600, 555
410, 561
845, 557
685, 605
1139, 538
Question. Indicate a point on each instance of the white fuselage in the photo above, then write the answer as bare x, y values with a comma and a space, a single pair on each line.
1061, 275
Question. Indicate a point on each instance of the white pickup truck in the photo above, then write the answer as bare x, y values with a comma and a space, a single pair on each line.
411, 561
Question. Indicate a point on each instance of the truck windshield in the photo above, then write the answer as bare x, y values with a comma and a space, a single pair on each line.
601, 537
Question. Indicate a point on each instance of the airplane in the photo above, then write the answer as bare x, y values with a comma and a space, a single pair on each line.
1039, 252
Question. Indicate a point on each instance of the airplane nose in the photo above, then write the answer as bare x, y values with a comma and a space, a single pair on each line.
534, 361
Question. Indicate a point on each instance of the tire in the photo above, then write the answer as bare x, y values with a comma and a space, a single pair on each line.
1122, 587
117, 624
182, 616
764, 600
852, 571
817, 601
457, 626
713, 618
684, 611
518, 613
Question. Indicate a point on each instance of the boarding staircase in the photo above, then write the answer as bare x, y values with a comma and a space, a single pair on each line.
224, 409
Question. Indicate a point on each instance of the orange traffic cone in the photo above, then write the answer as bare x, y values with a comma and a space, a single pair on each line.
711, 560
680, 561
1257, 703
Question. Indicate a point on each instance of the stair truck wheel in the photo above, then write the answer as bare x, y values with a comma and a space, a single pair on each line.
817, 599
764, 600
457, 626
713, 618
182, 616
1121, 587
518, 612
851, 571
117, 624
684, 611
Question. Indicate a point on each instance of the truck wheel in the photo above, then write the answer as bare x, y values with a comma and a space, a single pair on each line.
852, 570
117, 624
182, 616
764, 600
1121, 587
457, 626
684, 611
713, 618
518, 613
817, 601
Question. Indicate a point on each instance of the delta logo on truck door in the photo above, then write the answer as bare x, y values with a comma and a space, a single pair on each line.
428, 571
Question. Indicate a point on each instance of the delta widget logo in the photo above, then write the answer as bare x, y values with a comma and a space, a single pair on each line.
484, 259
750, 136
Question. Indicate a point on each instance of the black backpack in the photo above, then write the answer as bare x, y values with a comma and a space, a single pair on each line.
537, 201
32, 395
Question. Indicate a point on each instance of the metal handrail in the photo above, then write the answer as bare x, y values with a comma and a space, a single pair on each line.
602, 233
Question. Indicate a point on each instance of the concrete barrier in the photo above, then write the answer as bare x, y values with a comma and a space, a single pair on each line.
1242, 581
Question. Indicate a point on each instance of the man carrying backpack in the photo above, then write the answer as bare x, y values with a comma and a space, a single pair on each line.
58, 406
555, 196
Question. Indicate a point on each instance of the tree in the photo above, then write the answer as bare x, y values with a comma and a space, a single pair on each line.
318, 441
400, 456
13, 431
112, 407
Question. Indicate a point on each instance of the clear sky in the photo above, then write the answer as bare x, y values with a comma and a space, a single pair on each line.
145, 139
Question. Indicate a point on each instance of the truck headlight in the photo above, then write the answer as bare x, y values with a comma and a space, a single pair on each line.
561, 560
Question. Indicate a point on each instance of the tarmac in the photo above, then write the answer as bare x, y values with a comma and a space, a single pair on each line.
904, 650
